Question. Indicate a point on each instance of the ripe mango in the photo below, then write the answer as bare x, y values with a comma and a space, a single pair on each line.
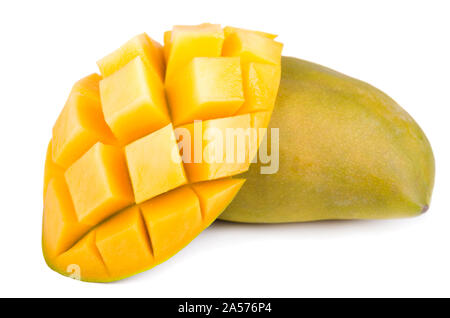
122, 192
346, 151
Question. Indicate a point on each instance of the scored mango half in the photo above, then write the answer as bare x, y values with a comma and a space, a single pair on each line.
129, 179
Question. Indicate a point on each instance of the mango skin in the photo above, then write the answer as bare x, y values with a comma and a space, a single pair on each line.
347, 151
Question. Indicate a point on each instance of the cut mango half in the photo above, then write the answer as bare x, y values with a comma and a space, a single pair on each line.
144, 156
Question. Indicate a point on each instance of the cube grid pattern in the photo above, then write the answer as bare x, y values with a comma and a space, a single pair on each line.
122, 179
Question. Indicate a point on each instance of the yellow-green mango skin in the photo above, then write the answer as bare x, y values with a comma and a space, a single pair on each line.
347, 151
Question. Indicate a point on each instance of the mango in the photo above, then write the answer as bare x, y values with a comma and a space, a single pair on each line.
122, 192
346, 151
212, 87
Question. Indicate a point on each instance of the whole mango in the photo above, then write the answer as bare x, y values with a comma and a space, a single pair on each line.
346, 151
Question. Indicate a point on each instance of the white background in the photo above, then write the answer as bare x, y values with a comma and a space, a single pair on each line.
401, 47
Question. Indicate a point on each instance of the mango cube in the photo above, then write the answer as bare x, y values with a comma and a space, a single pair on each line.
187, 42
251, 47
51, 170
141, 45
260, 87
83, 261
124, 237
225, 147
154, 164
207, 88
99, 184
133, 94
215, 196
80, 124
60, 225
89, 86
172, 220
229, 29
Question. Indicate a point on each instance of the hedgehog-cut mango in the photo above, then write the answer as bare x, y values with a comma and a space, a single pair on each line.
124, 189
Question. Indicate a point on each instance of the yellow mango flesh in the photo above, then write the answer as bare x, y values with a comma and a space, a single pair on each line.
187, 42
152, 175
103, 168
141, 46
124, 237
134, 94
167, 45
206, 88
60, 220
122, 191
218, 160
80, 124
82, 261
260, 82
251, 47
216, 195
229, 29
51, 169
172, 218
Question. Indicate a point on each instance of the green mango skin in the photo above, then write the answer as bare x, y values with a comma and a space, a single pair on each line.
346, 151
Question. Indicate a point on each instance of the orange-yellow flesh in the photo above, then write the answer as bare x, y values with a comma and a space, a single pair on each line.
150, 52
83, 261
252, 47
60, 225
80, 124
172, 219
260, 82
229, 29
167, 45
124, 237
216, 195
122, 191
88, 86
133, 94
187, 42
51, 169
99, 184
206, 88
154, 164
225, 147
144, 235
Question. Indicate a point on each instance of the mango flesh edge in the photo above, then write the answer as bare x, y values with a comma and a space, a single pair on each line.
252, 48
60, 221
141, 46
171, 219
260, 83
89, 264
80, 124
347, 151
51, 169
187, 42
215, 195
120, 201
124, 236
229, 29
103, 244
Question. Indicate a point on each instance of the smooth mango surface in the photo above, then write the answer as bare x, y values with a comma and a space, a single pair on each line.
347, 151
119, 198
